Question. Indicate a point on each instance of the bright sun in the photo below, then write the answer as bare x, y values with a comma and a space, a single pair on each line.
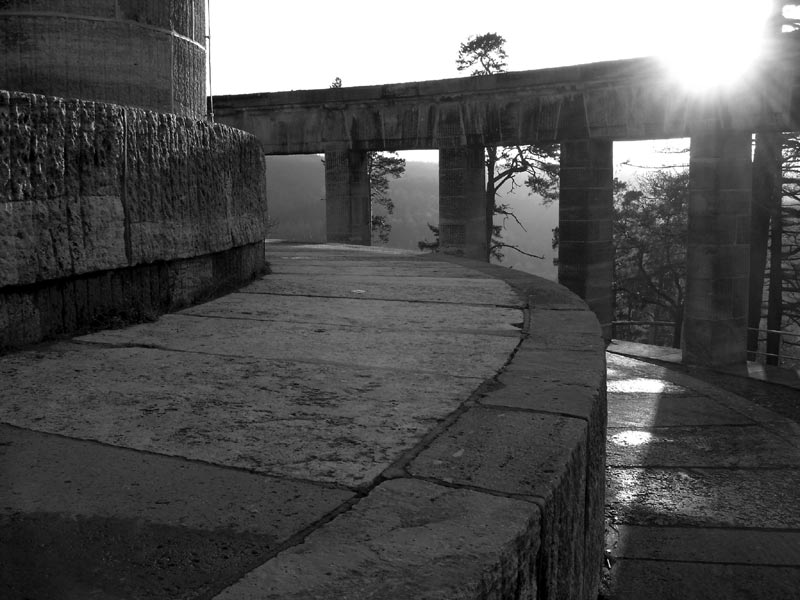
717, 42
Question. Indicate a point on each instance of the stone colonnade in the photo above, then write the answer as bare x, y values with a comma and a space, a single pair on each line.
715, 322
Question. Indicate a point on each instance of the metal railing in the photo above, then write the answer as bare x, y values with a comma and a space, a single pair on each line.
653, 338
781, 358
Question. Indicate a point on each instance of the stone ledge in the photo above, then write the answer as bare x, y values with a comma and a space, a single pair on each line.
87, 186
119, 297
409, 539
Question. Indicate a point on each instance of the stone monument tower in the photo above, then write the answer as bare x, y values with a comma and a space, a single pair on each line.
118, 201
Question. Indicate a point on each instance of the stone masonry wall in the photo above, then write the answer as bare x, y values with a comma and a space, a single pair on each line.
88, 189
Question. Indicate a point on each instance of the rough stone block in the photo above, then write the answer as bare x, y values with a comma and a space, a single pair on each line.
537, 455
410, 540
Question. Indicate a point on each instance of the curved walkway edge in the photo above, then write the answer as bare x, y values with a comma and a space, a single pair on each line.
360, 423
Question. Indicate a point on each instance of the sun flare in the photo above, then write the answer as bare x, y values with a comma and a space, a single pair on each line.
716, 43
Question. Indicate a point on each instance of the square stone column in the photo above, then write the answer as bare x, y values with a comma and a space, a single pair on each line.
585, 225
464, 221
348, 212
718, 253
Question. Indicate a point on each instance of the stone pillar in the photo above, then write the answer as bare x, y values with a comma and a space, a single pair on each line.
145, 53
347, 206
718, 253
585, 220
463, 213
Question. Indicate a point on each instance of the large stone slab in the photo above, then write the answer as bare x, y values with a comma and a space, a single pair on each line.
326, 422
531, 454
709, 545
86, 520
708, 446
705, 497
44, 473
511, 451
409, 540
459, 354
457, 290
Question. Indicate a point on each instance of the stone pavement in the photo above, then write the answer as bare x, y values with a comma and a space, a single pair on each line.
703, 496
350, 426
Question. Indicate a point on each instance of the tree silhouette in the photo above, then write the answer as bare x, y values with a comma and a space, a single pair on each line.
485, 55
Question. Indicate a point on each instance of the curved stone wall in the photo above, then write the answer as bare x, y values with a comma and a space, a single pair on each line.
172, 207
145, 53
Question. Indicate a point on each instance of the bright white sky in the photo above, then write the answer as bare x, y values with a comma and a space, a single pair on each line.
266, 46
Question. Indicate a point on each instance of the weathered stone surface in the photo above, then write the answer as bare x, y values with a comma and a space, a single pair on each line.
339, 265
83, 520
341, 423
553, 365
709, 446
145, 53
114, 187
385, 315
661, 410
490, 292
409, 540
342, 402
87, 188
705, 497
84, 478
516, 452
112, 298
466, 354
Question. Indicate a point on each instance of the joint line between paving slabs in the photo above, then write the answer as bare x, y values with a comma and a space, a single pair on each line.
534, 411
293, 360
706, 562
377, 299
397, 469
475, 332
199, 461
530, 498
709, 467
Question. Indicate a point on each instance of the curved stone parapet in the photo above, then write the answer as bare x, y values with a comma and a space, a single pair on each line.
141, 211
145, 53
359, 423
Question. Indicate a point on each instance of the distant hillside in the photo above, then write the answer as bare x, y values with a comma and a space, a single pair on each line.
296, 188
295, 197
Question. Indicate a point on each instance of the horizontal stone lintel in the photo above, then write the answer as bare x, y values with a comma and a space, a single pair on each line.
617, 100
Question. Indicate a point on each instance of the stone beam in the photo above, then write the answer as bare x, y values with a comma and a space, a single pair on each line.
585, 218
464, 217
347, 202
718, 252
621, 100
